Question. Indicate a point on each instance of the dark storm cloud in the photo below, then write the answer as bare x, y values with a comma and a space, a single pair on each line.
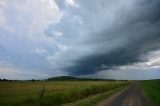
121, 56
133, 33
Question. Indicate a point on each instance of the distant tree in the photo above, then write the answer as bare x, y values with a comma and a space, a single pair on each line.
4, 79
32, 80
15, 80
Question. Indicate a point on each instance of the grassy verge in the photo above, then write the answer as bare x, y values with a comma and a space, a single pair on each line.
74, 95
92, 101
152, 91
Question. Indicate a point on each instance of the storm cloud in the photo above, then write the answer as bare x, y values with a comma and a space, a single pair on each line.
48, 38
119, 33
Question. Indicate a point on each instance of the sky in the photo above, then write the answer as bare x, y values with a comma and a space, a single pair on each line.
116, 39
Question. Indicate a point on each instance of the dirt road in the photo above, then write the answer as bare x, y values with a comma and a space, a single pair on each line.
132, 96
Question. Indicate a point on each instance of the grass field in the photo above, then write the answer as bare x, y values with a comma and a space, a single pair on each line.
152, 91
52, 93
94, 100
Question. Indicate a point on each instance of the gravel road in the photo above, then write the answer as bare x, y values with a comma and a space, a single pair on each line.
131, 96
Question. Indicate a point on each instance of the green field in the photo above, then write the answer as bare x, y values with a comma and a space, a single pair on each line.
152, 91
53, 93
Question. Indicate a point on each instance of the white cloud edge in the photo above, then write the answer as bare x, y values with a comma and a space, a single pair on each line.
71, 3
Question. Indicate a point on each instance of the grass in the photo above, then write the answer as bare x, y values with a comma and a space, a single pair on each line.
152, 91
94, 100
51, 93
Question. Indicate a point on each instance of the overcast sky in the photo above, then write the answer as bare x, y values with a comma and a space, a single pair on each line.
118, 39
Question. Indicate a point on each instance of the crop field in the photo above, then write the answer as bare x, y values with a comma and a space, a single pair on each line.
152, 91
52, 93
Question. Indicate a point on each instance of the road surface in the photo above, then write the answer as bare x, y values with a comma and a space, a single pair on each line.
131, 96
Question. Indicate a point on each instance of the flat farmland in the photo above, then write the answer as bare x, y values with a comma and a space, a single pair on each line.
52, 93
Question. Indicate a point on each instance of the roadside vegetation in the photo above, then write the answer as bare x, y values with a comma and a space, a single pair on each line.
53, 93
96, 99
152, 91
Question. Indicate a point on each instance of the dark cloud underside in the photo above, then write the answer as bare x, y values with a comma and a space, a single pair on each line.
135, 33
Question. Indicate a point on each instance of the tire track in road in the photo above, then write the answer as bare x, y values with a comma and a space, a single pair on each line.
132, 96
